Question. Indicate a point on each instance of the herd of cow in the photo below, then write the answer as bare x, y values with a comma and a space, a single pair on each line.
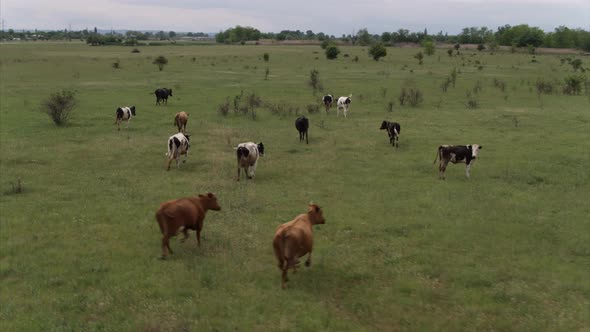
294, 239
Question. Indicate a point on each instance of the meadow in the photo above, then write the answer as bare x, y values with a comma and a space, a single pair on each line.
401, 250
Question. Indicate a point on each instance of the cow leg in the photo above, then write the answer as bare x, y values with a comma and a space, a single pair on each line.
185, 232
185, 157
441, 169
166, 246
467, 168
284, 278
306, 137
238, 179
169, 162
308, 261
198, 237
252, 170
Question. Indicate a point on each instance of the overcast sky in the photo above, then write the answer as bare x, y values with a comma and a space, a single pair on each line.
328, 16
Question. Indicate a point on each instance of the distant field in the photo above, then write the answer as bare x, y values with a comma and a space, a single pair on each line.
507, 250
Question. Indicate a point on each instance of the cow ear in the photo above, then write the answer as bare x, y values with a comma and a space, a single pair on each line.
469, 146
480, 147
209, 194
317, 209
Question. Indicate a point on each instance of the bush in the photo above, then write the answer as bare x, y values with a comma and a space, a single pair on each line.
135, 50
499, 84
223, 109
413, 97
544, 87
314, 81
160, 61
573, 84
332, 52
377, 51
313, 108
59, 106
419, 56
576, 64
428, 47
471, 103
481, 47
266, 57
116, 64
450, 52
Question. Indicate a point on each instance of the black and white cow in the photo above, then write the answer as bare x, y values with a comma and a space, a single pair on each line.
456, 154
327, 100
124, 113
178, 145
248, 154
344, 103
393, 130
302, 125
162, 95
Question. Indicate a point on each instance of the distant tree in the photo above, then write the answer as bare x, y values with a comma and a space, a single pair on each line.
428, 47
160, 61
363, 37
420, 57
171, 35
332, 52
377, 51
386, 37
457, 46
481, 47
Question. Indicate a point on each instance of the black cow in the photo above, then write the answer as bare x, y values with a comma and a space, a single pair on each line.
393, 130
327, 100
162, 95
456, 154
302, 124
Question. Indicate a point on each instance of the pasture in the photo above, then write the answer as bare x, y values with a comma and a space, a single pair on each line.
507, 250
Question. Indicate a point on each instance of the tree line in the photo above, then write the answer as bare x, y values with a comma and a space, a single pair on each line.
516, 36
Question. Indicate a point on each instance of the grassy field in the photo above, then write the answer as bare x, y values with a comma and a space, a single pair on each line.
507, 250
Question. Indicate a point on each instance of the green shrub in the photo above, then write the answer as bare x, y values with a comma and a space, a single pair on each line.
160, 61
377, 51
573, 84
59, 106
332, 52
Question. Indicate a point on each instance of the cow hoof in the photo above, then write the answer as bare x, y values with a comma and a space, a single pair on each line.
249, 178
308, 263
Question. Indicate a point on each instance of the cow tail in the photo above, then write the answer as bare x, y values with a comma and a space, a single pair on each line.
438, 152
170, 145
396, 132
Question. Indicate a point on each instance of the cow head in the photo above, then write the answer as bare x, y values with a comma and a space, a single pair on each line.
210, 201
132, 108
474, 149
242, 152
315, 214
383, 125
170, 92
261, 148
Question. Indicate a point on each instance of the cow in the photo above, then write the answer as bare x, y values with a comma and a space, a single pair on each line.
162, 95
344, 103
456, 154
393, 130
178, 145
327, 100
294, 239
187, 213
302, 125
124, 113
180, 121
248, 154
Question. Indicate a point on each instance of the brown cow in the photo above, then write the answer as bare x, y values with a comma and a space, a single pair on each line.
184, 212
180, 121
294, 239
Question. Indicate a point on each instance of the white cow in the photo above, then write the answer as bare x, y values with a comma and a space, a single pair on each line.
344, 103
124, 113
248, 154
178, 145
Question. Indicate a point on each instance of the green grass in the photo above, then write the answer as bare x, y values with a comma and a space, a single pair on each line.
507, 250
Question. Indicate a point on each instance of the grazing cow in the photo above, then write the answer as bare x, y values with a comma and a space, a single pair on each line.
327, 100
188, 213
162, 95
302, 124
178, 145
124, 113
180, 121
344, 103
248, 154
294, 239
393, 130
456, 154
